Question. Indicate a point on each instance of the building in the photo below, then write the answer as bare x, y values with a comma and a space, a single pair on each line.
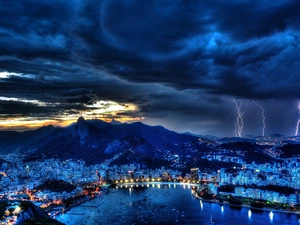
107, 178
221, 175
131, 174
194, 174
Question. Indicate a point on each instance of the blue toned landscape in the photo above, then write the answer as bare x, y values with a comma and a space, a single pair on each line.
97, 95
79, 173
162, 203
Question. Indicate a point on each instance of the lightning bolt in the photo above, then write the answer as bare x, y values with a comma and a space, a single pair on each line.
230, 115
264, 117
298, 123
239, 120
297, 127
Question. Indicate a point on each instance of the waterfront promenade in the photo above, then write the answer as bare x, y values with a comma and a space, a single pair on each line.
158, 204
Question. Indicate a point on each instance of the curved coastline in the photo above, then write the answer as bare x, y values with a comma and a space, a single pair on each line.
122, 184
194, 195
247, 206
65, 210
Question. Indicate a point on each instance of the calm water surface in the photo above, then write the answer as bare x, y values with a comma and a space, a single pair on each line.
165, 204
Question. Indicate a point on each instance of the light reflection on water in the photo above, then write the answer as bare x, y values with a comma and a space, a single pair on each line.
165, 205
249, 213
271, 214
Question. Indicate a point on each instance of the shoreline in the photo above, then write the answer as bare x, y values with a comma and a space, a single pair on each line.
73, 206
194, 195
103, 193
248, 206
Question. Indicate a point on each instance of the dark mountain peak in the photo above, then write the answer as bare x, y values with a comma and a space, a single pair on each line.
95, 140
81, 128
115, 122
81, 120
46, 128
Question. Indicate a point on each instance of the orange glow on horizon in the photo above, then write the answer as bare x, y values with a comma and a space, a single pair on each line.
100, 110
19, 124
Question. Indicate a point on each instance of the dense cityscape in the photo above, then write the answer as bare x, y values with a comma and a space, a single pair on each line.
57, 185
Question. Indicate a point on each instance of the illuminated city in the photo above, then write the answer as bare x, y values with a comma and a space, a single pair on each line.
149, 112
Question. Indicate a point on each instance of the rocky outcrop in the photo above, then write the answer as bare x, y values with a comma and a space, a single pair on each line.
81, 130
30, 211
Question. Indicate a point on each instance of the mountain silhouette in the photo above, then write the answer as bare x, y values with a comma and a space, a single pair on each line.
94, 141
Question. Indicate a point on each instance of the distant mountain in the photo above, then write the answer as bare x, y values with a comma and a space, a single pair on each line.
211, 137
115, 122
157, 136
31, 140
192, 134
289, 150
250, 151
95, 141
13, 141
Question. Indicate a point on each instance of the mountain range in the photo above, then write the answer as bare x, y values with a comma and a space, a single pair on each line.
96, 141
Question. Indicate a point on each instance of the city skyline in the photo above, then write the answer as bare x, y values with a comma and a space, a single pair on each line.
182, 65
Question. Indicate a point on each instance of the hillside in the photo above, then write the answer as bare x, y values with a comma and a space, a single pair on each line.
94, 141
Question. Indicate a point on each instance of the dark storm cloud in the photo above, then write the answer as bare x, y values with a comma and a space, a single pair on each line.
203, 44
76, 51
162, 104
212, 45
14, 107
61, 95
19, 107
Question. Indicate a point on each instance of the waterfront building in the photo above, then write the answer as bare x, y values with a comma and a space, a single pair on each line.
131, 174
107, 178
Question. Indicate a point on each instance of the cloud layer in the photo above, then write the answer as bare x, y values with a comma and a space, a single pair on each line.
176, 60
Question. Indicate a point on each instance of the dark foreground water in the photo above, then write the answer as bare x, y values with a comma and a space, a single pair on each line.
165, 204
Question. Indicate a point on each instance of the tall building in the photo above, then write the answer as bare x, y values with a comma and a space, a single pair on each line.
130, 174
221, 175
194, 174
107, 178
297, 197
165, 175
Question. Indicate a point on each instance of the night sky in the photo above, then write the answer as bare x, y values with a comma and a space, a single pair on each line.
180, 64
